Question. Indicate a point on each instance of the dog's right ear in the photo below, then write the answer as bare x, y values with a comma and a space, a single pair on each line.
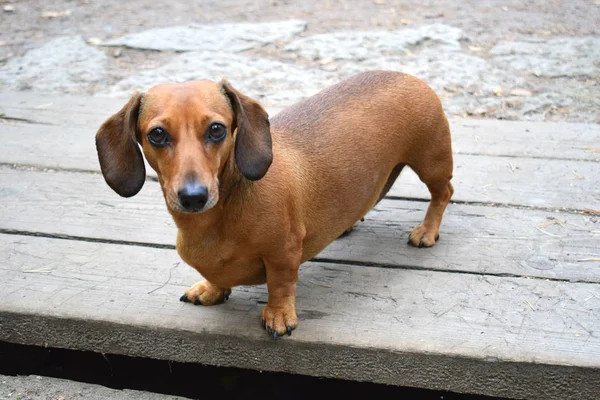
253, 147
121, 160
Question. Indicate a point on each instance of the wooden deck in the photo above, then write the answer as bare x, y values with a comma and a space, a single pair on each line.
506, 304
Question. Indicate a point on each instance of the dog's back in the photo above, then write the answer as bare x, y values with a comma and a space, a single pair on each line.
352, 139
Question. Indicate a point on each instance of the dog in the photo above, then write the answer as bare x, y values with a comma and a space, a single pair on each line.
253, 197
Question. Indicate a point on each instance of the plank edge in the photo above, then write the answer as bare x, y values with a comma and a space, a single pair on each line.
377, 365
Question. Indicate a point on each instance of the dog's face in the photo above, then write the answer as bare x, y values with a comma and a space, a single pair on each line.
186, 132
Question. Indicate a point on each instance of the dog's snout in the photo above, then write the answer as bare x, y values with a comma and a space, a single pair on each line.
193, 196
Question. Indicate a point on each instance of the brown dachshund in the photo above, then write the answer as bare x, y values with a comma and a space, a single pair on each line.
254, 198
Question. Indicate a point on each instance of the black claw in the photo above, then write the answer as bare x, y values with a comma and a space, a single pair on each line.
226, 297
269, 331
421, 245
409, 242
437, 238
264, 324
289, 331
184, 298
197, 302
274, 334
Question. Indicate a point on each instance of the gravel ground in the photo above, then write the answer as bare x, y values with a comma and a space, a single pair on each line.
532, 60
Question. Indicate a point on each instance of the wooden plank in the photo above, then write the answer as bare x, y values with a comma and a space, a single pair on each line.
400, 327
55, 111
67, 115
475, 239
542, 183
506, 180
562, 140
35, 144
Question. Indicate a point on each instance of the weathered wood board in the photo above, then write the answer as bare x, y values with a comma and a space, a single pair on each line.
517, 163
67, 117
505, 304
429, 326
543, 183
475, 239
533, 182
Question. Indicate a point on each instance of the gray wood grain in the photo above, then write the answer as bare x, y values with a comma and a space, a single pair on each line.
519, 181
520, 163
562, 140
476, 239
402, 327
507, 292
58, 110
542, 183
490, 137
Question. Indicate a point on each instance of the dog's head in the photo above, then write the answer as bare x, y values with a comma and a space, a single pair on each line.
188, 132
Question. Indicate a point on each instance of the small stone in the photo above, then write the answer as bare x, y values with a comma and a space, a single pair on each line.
520, 93
452, 88
511, 103
329, 67
94, 41
9, 8
498, 91
117, 53
56, 14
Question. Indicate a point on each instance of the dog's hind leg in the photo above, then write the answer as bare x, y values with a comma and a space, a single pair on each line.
427, 233
435, 170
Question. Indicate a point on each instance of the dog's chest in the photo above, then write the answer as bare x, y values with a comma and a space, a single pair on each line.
206, 250
218, 259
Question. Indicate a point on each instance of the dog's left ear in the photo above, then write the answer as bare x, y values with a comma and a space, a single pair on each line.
253, 148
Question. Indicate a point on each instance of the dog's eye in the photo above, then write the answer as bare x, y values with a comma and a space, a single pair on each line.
158, 137
217, 132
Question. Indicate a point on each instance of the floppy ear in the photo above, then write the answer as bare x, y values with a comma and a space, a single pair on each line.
253, 149
120, 157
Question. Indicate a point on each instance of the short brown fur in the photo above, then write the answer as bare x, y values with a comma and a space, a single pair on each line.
279, 194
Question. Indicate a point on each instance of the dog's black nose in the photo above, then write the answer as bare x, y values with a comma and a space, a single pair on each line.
193, 196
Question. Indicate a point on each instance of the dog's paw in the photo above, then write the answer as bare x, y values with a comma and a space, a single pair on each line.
278, 321
205, 293
423, 237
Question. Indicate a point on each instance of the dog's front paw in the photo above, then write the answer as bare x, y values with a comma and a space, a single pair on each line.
278, 321
421, 236
205, 293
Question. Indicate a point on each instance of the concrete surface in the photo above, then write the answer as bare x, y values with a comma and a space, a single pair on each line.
34, 387
219, 37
